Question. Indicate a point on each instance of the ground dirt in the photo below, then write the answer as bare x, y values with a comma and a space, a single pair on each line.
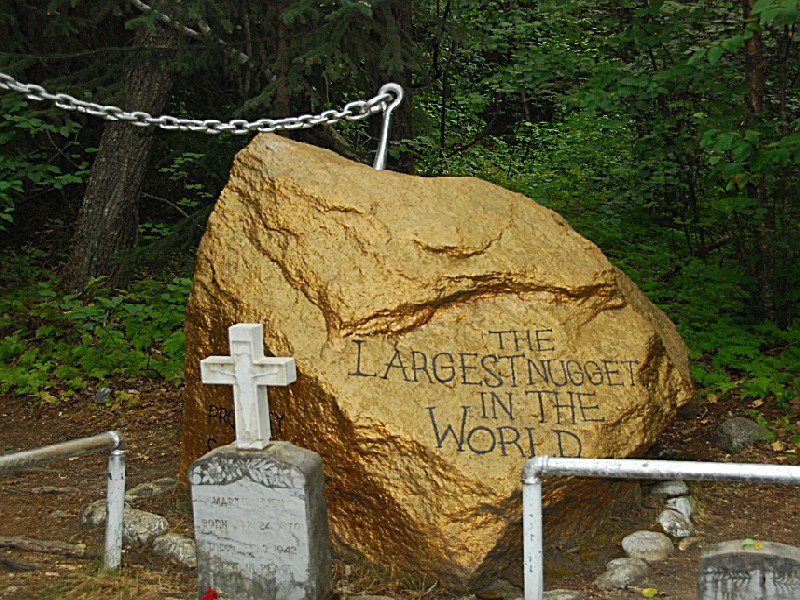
45, 502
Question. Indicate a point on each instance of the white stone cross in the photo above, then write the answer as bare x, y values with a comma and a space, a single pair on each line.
249, 372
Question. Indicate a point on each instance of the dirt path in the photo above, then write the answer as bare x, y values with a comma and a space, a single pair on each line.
45, 504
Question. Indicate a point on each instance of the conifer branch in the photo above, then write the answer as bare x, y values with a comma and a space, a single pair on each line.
205, 31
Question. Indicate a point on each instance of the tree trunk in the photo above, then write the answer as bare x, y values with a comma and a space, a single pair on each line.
403, 127
109, 220
765, 229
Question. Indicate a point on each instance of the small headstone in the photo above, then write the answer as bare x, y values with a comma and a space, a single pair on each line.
747, 570
260, 523
260, 518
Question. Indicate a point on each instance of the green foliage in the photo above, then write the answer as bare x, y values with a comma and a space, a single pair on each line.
52, 344
26, 171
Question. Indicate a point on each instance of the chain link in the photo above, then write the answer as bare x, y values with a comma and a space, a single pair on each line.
353, 111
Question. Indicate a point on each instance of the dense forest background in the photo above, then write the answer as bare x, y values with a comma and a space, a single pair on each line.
668, 132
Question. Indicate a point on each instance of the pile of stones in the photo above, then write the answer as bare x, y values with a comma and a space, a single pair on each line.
645, 547
140, 527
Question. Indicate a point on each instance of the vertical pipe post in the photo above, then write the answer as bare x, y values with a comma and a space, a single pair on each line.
379, 164
115, 508
533, 537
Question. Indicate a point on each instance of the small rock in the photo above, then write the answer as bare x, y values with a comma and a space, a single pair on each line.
176, 547
689, 543
49, 489
159, 487
103, 395
682, 504
621, 573
670, 488
498, 590
736, 434
675, 524
94, 515
564, 595
651, 546
139, 527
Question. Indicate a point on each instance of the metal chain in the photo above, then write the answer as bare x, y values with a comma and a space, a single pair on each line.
388, 97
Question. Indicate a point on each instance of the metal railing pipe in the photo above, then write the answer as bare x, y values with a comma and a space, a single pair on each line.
612, 468
115, 490
19, 461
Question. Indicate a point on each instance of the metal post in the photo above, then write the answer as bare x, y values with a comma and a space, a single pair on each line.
379, 164
115, 508
533, 545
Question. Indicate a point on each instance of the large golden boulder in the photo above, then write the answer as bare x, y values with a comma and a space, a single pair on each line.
444, 330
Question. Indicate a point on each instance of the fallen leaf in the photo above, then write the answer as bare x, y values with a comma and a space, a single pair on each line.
712, 399
756, 404
650, 592
778, 446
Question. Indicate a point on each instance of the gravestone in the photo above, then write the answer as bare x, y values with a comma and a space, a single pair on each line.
445, 330
748, 570
260, 520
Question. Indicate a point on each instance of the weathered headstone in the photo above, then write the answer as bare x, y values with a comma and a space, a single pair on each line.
748, 570
260, 518
445, 330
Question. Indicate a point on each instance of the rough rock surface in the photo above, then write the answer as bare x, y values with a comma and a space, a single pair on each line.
670, 489
140, 527
622, 572
675, 523
159, 487
682, 504
94, 515
736, 434
444, 331
177, 547
651, 546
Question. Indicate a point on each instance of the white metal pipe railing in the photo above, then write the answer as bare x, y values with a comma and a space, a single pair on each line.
115, 490
537, 468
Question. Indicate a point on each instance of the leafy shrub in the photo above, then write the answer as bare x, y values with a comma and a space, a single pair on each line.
52, 344
28, 169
